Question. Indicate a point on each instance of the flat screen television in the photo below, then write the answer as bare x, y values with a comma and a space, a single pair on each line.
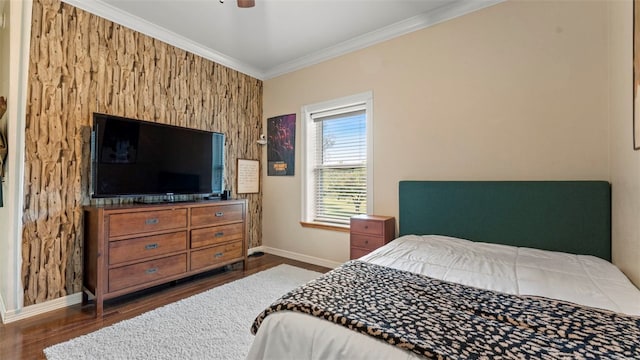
132, 158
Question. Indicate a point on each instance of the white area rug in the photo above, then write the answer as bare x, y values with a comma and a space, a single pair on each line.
211, 325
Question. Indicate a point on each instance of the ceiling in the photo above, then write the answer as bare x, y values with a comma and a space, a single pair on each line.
276, 36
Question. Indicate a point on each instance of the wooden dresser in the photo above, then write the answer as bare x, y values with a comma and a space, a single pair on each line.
369, 232
132, 247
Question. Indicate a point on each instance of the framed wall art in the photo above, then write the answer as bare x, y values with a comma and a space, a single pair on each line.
248, 176
281, 145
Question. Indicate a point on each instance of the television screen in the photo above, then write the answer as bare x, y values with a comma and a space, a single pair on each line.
136, 158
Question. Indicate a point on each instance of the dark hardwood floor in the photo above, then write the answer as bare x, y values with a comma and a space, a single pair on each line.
25, 339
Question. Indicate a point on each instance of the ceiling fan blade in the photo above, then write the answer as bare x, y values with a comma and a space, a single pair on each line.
246, 3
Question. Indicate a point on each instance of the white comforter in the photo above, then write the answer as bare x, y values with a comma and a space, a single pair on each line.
585, 280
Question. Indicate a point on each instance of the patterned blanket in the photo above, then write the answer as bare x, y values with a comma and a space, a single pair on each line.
446, 320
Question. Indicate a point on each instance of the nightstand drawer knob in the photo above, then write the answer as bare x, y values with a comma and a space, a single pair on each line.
151, 246
219, 234
218, 255
219, 214
152, 221
152, 270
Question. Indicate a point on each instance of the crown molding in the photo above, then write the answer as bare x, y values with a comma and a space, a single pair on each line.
424, 20
443, 13
106, 11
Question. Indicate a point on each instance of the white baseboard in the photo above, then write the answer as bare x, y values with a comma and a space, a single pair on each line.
255, 250
3, 310
301, 257
37, 309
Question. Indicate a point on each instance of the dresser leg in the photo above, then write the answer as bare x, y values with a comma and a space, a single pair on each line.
99, 308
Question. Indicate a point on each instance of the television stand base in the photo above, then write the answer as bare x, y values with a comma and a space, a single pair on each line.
153, 202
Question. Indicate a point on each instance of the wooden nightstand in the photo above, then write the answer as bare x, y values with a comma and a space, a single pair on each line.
369, 232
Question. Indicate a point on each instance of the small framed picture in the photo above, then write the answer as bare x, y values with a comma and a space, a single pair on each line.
248, 175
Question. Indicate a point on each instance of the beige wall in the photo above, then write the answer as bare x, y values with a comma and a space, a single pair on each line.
512, 92
625, 162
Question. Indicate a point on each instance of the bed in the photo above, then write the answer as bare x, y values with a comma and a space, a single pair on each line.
545, 243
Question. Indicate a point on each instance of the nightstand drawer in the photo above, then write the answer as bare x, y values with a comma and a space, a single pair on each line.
358, 253
366, 241
367, 227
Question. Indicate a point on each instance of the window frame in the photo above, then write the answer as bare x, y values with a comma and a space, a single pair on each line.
364, 99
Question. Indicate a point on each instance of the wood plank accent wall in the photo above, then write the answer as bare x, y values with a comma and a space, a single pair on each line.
80, 64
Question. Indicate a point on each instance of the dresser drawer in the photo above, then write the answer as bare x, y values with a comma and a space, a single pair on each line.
367, 227
366, 241
216, 235
219, 214
146, 272
146, 221
215, 255
146, 247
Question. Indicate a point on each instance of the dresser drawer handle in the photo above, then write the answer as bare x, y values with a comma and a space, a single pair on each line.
152, 270
219, 234
219, 214
366, 242
218, 255
152, 221
366, 227
151, 246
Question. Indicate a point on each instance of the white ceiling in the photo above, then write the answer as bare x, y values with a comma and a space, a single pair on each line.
276, 36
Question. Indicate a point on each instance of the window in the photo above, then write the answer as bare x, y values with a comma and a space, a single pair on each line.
337, 174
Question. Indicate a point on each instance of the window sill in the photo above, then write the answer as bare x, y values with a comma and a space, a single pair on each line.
325, 226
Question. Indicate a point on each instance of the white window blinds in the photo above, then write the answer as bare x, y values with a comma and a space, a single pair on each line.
339, 141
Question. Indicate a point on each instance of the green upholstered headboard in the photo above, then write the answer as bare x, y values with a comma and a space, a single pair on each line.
568, 216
